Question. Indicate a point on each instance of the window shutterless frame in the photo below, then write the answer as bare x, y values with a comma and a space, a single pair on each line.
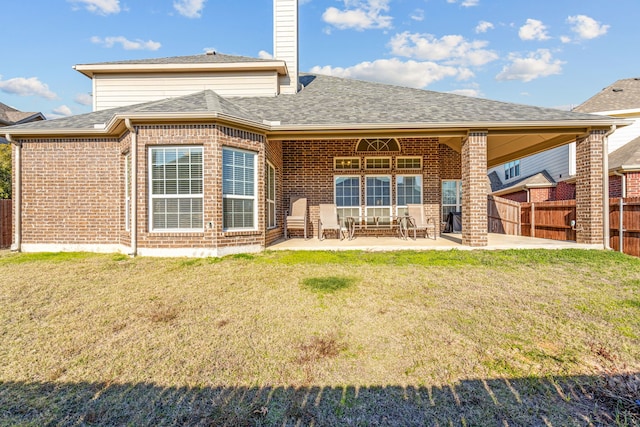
271, 196
408, 191
176, 189
239, 190
346, 195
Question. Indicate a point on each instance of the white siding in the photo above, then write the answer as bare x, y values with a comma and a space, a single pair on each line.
116, 90
285, 41
554, 161
623, 135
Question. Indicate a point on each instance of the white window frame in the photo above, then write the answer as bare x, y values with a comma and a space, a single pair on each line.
419, 158
152, 197
237, 197
512, 170
458, 204
271, 185
400, 207
367, 167
127, 192
337, 161
367, 207
335, 196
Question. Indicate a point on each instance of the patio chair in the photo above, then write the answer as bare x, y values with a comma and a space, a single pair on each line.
329, 221
418, 222
296, 217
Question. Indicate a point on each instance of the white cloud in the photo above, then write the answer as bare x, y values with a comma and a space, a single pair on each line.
364, 15
565, 39
453, 49
83, 99
484, 26
189, 8
465, 3
101, 7
535, 65
587, 28
533, 30
405, 73
467, 92
265, 55
23, 86
62, 111
109, 42
418, 15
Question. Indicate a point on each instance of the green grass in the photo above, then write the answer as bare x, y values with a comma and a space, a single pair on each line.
321, 338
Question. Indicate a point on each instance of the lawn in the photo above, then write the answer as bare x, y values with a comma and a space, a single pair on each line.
321, 338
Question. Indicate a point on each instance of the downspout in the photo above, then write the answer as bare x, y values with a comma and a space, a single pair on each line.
17, 196
134, 187
605, 187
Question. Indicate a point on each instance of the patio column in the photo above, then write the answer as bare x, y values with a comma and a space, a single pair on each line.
474, 189
589, 188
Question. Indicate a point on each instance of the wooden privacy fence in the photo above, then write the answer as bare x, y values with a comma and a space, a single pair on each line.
548, 220
5, 224
629, 210
552, 220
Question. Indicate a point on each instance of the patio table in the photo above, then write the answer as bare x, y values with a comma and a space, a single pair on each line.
399, 223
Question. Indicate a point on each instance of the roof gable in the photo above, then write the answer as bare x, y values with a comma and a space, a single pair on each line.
627, 155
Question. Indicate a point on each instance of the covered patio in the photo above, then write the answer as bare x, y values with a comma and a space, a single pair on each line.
442, 243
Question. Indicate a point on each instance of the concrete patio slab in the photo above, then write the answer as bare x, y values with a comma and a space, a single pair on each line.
444, 242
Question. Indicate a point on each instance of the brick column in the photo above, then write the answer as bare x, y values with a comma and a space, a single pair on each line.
474, 189
589, 188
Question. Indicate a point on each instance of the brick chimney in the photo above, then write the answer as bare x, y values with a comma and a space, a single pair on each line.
285, 42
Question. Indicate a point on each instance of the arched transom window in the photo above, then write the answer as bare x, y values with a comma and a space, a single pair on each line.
378, 145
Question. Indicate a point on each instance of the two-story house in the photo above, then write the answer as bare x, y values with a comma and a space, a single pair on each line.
200, 155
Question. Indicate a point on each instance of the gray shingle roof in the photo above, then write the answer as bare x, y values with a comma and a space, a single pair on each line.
9, 115
628, 155
338, 101
540, 179
216, 58
334, 100
621, 95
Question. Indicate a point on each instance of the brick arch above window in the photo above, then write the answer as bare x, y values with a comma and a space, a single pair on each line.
378, 145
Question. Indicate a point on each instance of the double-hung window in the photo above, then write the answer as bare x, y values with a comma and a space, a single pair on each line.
239, 207
378, 199
347, 194
176, 189
271, 196
408, 191
512, 169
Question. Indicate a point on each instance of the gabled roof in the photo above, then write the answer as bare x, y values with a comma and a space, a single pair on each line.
621, 95
537, 180
625, 157
211, 57
10, 116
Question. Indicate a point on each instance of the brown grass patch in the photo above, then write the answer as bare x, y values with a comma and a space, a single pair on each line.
318, 348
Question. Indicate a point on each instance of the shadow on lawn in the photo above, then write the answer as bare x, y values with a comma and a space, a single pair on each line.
557, 401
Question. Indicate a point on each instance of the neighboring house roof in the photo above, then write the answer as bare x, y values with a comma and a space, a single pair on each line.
209, 57
621, 95
10, 116
626, 157
537, 180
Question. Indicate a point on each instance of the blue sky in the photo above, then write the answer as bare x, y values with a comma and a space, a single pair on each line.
552, 54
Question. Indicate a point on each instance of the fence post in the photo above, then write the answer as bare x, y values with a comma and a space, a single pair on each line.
533, 219
621, 227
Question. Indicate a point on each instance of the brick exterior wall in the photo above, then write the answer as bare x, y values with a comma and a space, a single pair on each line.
212, 138
474, 190
633, 184
565, 191
518, 196
541, 194
615, 186
589, 190
71, 191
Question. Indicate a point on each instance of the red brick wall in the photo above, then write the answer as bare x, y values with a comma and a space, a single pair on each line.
71, 191
518, 196
633, 184
541, 194
615, 186
212, 138
565, 191
589, 191
474, 190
